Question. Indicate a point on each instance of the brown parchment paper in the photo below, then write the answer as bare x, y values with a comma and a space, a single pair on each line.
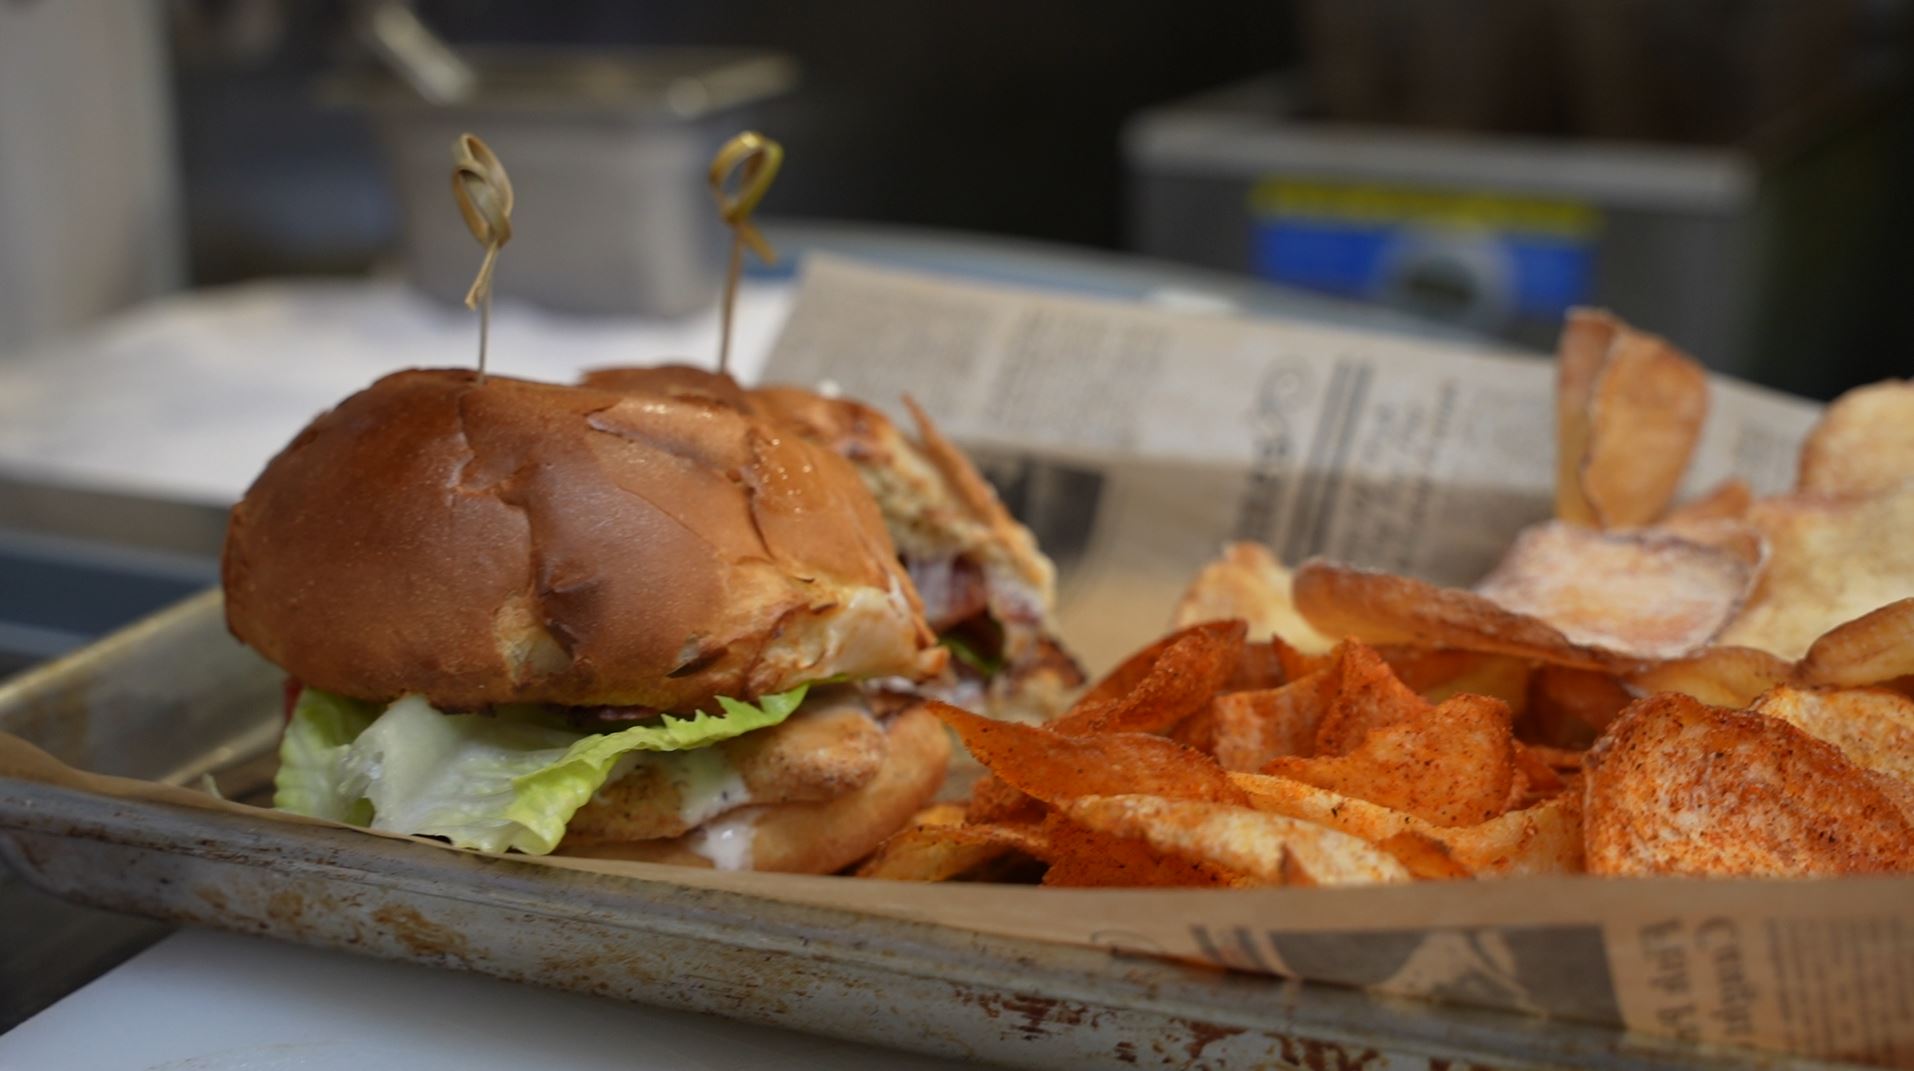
1815, 968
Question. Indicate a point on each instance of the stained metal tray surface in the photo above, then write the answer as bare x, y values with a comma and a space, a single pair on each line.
174, 698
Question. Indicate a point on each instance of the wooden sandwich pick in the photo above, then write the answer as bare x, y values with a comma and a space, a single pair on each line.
754, 160
484, 194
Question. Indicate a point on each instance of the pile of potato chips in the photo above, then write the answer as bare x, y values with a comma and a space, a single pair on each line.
1724, 687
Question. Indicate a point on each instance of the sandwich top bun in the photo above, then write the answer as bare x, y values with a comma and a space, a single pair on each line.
510, 541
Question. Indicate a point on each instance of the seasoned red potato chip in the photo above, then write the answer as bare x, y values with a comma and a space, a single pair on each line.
1362, 693
1083, 857
1680, 787
1162, 685
1831, 560
1641, 593
1053, 768
1545, 839
1246, 729
1864, 443
1450, 766
1270, 848
1873, 727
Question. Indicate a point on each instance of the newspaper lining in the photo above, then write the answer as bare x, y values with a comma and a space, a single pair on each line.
1137, 441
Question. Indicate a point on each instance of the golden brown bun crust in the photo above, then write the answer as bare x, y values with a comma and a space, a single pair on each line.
673, 380
826, 837
522, 542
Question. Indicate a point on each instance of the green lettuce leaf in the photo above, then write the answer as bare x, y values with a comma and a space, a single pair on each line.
964, 651
322, 729
498, 782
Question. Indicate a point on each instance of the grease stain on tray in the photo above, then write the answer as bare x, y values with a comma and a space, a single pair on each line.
421, 936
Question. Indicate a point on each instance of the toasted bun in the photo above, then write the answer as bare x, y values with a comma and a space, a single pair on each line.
819, 837
509, 541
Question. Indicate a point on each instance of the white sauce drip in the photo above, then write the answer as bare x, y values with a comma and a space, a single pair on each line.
727, 840
708, 785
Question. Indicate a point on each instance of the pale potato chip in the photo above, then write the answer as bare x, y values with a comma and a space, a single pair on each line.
1380, 608
1587, 336
1644, 422
1545, 839
1250, 584
1722, 676
1875, 648
1732, 535
1679, 787
1726, 501
1830, 562
1873, 727
1268, 847
1453, 765
1864, 443
1630, 598
1641, 592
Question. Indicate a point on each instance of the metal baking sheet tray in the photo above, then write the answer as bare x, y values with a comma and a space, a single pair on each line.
174, 698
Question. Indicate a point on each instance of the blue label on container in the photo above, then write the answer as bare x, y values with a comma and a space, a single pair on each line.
1488, 255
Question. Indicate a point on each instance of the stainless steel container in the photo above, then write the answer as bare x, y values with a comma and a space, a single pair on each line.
607, 153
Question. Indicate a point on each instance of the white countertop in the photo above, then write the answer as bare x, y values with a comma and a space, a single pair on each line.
221, 1002
188, 397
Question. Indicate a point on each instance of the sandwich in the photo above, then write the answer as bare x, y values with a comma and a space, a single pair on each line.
987, 589
636, 623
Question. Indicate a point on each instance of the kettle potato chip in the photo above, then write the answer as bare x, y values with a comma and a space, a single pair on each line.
1645, 593
1452, 765
1248, 583
1680, 787
1873, 727
1270, 848
1052, 767
1875, 648
1644, 421
1864, 443
1721, 688
1832, 560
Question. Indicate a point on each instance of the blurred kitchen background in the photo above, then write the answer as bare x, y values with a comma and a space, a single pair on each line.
1726, 172
1730, 173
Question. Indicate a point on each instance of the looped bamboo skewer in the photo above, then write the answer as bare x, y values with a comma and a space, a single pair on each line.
484, 194
754, 160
